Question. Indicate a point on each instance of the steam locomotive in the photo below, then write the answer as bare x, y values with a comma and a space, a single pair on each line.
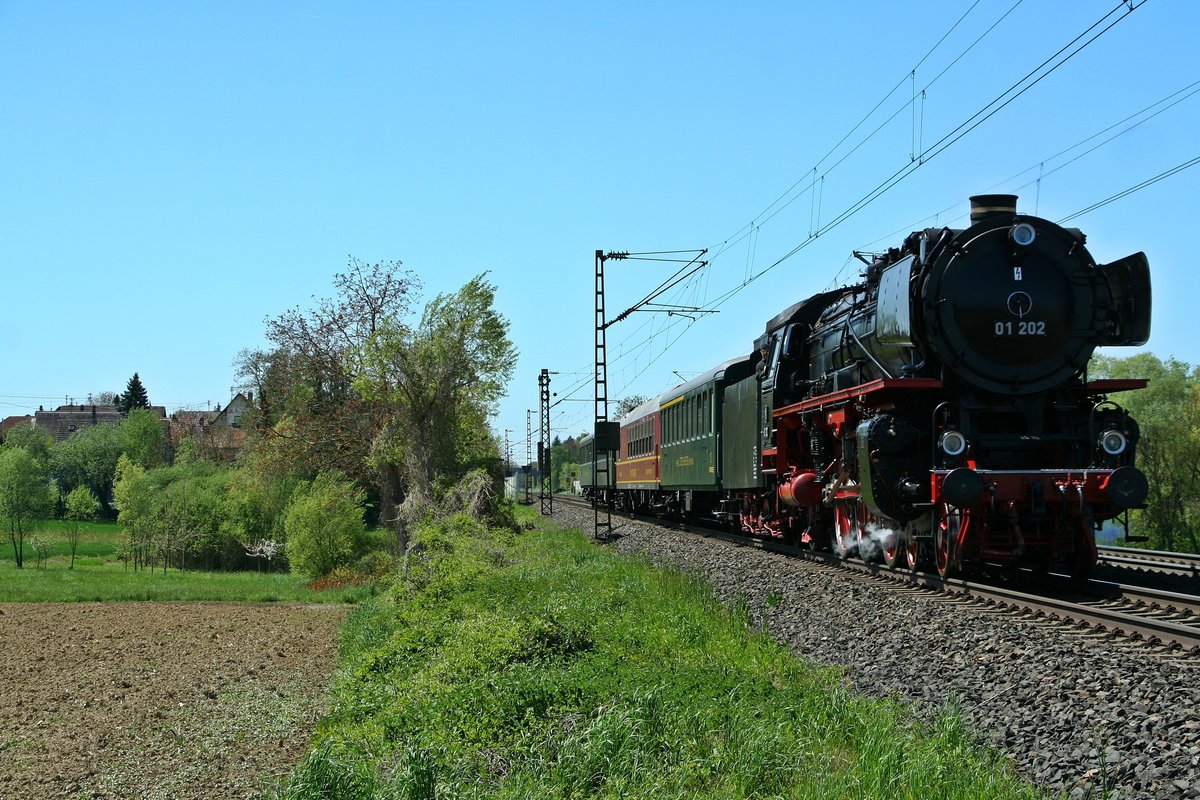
935, 413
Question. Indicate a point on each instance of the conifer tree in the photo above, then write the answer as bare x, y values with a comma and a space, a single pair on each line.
134, 396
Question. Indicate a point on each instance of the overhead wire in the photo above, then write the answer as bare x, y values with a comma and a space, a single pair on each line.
1187, 92
738, 235
1133, 189
972, 122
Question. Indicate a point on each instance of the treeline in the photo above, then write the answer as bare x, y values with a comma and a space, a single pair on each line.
364, 414
73, 479
1167, 412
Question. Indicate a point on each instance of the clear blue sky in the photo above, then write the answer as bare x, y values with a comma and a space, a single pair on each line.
174, 173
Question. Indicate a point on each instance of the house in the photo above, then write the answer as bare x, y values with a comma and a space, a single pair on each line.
215, 434
8, 423
65, 420
232, 414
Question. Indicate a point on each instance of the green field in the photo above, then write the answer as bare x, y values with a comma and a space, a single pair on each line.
98, 541
101, 575
544, 666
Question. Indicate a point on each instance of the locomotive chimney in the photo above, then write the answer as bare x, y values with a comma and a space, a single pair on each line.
984, 206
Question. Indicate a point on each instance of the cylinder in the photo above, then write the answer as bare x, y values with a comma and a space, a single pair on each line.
800, 490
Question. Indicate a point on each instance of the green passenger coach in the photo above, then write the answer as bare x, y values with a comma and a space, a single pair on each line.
588, 470
691, 422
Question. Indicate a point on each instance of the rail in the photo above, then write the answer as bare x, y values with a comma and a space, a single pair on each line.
1160, 560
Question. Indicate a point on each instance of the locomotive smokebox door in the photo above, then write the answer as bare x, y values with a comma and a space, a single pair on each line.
1011, 303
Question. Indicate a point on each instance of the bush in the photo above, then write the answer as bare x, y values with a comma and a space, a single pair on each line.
375, 565
448, 555
324, 523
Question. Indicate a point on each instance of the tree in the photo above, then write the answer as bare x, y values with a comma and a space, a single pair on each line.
33, 440
434, 387
133, 495
26, 496
564, 463
134, 396
143, 434
324, 524
191, 507
628, 404
81, 506
104, 398
310, 417
88, 458
1168, 451
257, 499
262, 378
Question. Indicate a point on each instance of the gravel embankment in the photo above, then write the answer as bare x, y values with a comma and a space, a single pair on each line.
1077, 712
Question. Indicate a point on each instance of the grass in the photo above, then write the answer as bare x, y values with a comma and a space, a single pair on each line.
97, 540
542, 666
110, 581
99, 575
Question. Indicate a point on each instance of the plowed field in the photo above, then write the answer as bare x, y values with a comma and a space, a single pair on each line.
159, 700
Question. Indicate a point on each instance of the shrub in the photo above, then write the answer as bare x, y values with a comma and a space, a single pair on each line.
324, 523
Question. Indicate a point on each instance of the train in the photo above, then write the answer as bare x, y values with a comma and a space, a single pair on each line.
937, 413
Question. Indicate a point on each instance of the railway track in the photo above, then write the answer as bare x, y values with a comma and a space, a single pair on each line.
1147, 615
1187, 564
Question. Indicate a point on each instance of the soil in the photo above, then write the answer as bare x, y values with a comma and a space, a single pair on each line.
159, 700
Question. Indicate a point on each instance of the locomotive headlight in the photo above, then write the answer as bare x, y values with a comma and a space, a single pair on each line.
953, 443
1022, 234
1113, 442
